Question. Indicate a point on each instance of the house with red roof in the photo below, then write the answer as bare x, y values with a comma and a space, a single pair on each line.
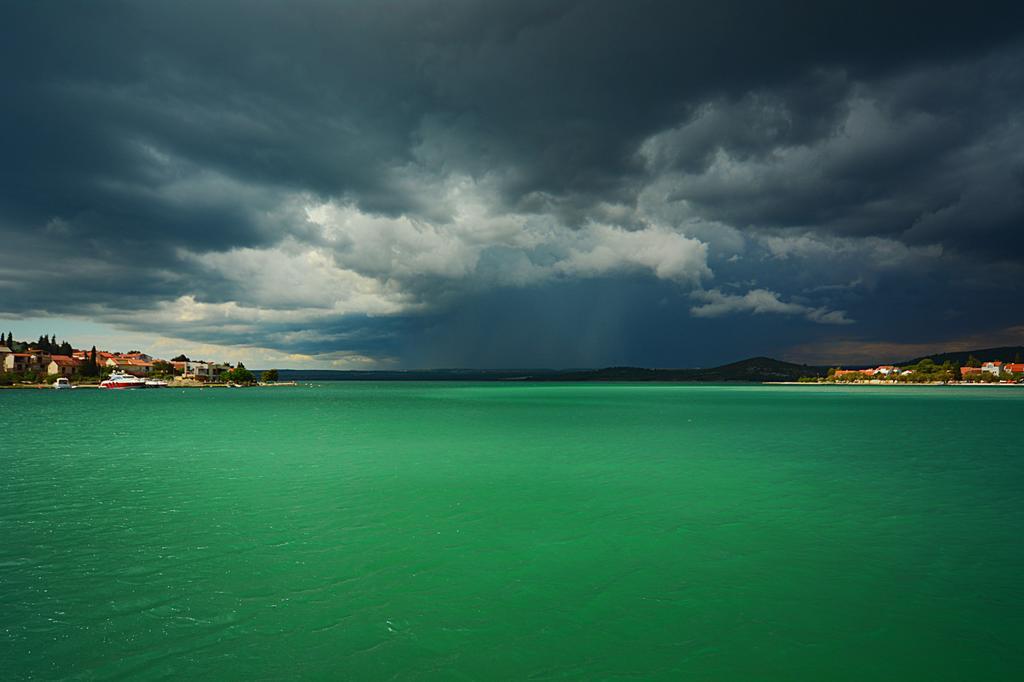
17, 362
129, 365
62, 365
34, 360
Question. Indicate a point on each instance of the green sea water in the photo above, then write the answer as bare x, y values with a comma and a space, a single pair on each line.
415, 531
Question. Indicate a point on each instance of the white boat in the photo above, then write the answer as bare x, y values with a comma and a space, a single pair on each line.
62, 382
156, 383
122, 380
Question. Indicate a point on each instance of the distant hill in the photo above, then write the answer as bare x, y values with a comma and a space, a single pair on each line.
1004, 353
753, 369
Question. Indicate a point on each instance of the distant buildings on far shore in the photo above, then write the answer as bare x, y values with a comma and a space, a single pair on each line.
928, 370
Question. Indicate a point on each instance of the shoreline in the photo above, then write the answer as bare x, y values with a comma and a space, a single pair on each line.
29, 387
956, 384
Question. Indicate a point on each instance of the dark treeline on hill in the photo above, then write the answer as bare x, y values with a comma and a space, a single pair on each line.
960, 358
44, 343
754, 369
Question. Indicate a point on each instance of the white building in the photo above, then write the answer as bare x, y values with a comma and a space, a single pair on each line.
198, 370
995, 367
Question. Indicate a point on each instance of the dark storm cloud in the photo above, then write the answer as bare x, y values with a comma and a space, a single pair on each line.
165, 131
931, 157
327, 96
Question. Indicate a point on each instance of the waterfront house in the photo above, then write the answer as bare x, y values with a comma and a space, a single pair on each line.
216, 369
200, 371
62, 365
130, 366
970, 371
4, 352
193, 370
35, 360
1015, 367
17, 362
992, 367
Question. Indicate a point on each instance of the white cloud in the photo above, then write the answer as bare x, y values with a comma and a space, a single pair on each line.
602, 249
761, 301
293, 276
875, 252
479, 248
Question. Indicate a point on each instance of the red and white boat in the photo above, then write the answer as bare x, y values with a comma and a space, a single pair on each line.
122, 380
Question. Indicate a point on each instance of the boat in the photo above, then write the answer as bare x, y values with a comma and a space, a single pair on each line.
62, 382
156, 383
122, 380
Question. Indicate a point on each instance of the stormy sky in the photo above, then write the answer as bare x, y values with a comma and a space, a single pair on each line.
514, 184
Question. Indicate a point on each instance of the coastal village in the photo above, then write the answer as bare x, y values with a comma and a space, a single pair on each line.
46, 361
930, 372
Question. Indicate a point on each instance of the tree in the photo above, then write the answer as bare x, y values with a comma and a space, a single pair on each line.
269, 376
973, 361
238, 375
163, 368
90, 369
181, 358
